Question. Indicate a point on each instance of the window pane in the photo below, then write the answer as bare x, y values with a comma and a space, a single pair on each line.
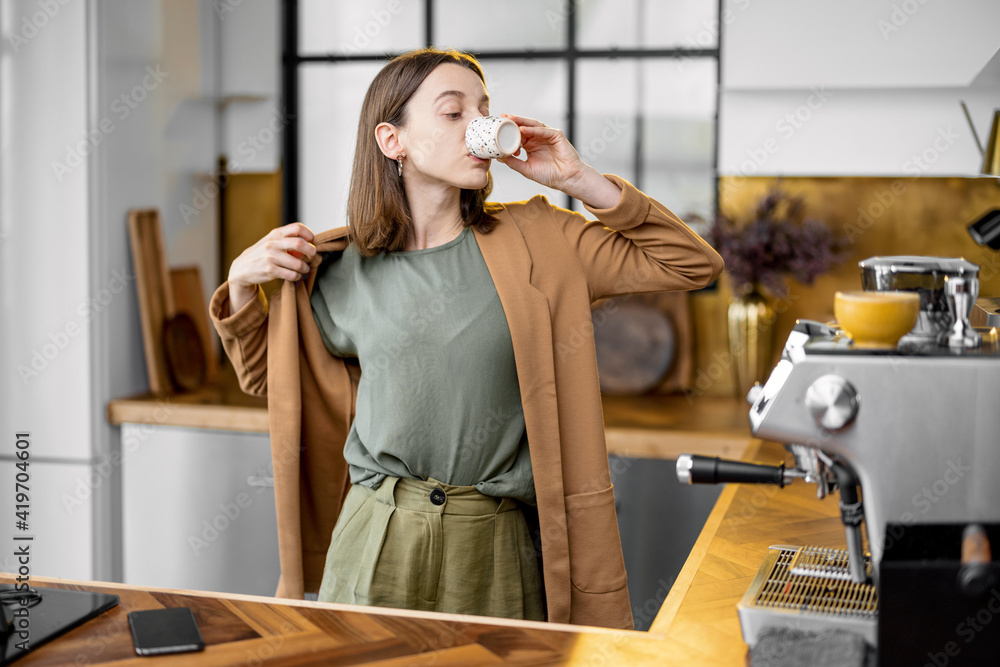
678, 108
673, 102
360, 26
603, 24
534, 89
489, 25
607, 100
330, 99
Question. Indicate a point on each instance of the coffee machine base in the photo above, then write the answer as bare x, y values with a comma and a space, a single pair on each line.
812, 601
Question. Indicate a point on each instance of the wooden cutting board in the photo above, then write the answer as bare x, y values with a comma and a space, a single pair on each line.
156, 299
190, 298
184, 352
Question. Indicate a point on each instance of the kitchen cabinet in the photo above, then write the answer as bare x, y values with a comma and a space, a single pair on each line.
790, 45
198, 510
68, 510
856, 87
826, 132
659, 520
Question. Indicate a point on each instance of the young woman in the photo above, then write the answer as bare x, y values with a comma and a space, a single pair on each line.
434, 402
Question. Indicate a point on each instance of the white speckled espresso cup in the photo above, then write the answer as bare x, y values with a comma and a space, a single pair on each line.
490, 137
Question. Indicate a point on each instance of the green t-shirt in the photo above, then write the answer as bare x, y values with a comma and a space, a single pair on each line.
438, 395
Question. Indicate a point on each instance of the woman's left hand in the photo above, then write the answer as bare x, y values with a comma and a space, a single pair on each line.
553, 162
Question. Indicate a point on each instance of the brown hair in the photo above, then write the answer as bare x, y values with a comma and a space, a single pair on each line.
377, 209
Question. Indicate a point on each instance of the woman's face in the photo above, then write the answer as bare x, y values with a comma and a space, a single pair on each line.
433, 139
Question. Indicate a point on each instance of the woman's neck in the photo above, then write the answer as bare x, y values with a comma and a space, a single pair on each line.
436, 214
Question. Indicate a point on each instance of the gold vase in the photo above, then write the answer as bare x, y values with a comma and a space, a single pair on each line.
751, 338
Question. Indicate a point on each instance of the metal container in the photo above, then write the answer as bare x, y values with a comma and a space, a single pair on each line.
924, 275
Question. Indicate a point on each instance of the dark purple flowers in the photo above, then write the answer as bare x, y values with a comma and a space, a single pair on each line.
775, 242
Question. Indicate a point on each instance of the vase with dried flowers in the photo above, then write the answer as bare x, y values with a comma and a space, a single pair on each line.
760, 252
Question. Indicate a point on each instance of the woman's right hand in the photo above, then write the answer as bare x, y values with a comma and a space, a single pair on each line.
284, 253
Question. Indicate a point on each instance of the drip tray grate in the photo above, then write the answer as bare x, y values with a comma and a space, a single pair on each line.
779, 597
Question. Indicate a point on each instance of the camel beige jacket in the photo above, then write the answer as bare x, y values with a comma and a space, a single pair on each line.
548, 265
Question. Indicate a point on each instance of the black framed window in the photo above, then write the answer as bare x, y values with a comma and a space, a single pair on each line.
633, 83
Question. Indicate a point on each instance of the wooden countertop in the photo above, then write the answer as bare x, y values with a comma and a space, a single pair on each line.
696, 624
651, 426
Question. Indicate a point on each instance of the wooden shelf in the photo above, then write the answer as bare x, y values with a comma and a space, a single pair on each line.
658, 426
219, 405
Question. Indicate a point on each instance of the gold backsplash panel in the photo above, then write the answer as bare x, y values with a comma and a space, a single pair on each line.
880, 216
253, 208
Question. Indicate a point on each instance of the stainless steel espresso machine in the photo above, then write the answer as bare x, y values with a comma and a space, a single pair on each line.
910, 439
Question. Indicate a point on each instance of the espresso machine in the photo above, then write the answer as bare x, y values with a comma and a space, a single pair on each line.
910, 439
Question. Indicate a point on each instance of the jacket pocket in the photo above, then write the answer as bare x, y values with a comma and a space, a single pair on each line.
595, 553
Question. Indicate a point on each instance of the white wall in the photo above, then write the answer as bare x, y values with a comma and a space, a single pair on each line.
45, 270
857, 87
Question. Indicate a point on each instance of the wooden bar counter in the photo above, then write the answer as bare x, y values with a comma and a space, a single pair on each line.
696, 624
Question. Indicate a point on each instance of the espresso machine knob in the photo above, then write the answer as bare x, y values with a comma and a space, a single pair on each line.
833, 402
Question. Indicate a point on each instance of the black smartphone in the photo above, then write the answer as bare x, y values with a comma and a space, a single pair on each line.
172, 630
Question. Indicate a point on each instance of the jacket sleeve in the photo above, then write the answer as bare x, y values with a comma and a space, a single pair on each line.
637, 246
244, 337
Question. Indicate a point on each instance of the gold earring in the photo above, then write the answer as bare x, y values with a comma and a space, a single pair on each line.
399, 164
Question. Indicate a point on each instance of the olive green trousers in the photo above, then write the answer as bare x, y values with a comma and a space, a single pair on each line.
432, 546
